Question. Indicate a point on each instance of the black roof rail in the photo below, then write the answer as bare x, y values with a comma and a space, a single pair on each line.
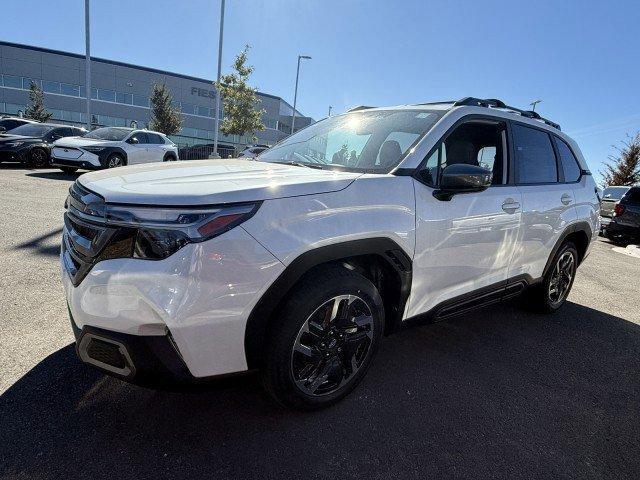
495, 103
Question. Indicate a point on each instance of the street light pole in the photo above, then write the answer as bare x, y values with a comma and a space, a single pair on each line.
217, 117
87, 62
295, 93
329, 111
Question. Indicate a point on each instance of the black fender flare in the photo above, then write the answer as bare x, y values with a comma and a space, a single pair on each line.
108, 151
258, 321
169, 154
581, 226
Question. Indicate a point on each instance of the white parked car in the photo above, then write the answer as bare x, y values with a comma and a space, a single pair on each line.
253, 151
111, 147
298, 264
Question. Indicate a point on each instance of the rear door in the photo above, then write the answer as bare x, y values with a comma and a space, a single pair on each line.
548, 204
155, 148
136, 149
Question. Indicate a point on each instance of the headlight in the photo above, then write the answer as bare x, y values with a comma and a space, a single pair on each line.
93, 149
160, 232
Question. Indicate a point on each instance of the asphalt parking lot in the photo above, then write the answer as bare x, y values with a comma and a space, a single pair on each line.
500, 393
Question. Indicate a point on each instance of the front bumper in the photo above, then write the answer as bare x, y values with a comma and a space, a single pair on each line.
200, 297
11, 154
151, 361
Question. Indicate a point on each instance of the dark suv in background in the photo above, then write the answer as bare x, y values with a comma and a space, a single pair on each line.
610, 196
30, 143
625, 223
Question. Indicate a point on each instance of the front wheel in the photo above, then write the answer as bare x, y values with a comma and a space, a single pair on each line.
115, 161
552, 293
323, 340
69, 170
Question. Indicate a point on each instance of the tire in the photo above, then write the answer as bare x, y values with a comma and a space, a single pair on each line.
551, 294
169, 158
38, 157
69, 170
308, 367
115, 160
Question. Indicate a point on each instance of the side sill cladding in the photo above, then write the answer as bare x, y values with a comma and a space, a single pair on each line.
386, 249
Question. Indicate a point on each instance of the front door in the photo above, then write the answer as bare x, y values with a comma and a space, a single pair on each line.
466, 243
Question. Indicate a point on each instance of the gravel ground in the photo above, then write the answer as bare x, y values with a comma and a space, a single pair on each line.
500, 393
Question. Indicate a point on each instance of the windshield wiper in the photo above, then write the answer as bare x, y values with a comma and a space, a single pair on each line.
301, 164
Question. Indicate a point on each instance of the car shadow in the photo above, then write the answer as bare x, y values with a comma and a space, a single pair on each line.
55, 175
39, 246
501, 393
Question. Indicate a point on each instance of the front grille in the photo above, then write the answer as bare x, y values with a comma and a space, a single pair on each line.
87, 239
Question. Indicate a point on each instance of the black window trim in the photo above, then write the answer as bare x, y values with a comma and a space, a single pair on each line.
471, 118
556, 139
559, 172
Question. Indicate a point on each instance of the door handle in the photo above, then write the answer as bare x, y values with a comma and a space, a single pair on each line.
566, 199
510, 205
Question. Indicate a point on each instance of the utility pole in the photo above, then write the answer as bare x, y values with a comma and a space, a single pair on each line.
329, 111
534, 103
217, 117
295, 93
87, 62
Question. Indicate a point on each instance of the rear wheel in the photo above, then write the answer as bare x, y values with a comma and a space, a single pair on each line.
324, 339
169, 158
552, 293
69, 170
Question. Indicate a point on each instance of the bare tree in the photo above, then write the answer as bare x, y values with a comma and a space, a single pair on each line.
623, 168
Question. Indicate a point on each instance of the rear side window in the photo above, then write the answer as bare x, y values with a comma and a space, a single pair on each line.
154, 138
633, 195
141, 136
570, 166
535, 158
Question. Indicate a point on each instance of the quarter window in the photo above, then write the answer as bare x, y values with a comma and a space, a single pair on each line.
535, 159
569, 163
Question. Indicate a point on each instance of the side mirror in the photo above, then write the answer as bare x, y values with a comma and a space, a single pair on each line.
462, 178
133, 141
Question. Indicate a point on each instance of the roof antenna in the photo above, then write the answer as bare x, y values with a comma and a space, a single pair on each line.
534, 103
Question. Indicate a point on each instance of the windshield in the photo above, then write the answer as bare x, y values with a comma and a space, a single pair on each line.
614, 193
365, 141
31, 130
108, 133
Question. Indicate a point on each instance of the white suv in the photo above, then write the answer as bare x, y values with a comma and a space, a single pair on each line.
299, 263
111, 147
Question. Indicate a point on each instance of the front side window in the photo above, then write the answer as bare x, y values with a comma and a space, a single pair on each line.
472, 143
535, 160
365, 141
112, 134
570, 167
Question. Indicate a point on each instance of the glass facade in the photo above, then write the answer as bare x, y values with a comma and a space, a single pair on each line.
115, 107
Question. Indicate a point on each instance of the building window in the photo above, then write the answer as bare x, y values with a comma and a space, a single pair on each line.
71, 90
204, 111
106, 95
26, 82
50, 87
12, 82
140, 100
125, 98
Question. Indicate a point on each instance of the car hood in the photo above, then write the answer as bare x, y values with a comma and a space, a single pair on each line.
208, 182
79, 142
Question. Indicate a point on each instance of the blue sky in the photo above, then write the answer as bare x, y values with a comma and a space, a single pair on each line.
579, 57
